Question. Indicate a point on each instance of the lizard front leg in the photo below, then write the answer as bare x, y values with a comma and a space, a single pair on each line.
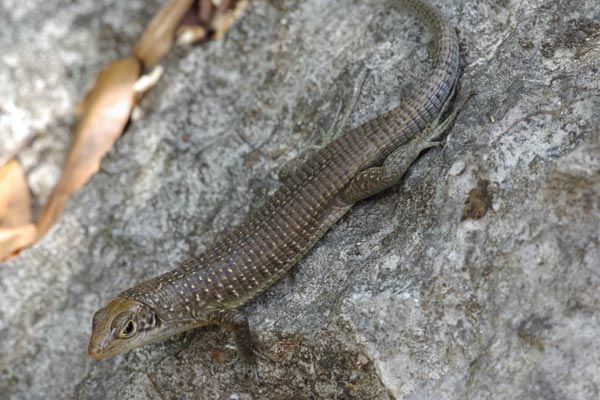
237, 322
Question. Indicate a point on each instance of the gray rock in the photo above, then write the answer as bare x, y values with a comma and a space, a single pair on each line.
409, 296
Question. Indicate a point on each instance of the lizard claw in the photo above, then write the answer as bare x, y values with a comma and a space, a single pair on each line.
249, 361
262, 356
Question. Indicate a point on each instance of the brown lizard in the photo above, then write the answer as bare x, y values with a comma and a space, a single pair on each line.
364, 161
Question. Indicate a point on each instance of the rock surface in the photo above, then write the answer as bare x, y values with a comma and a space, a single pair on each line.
413, 295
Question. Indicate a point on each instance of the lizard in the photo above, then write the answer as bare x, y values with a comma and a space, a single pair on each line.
210, 289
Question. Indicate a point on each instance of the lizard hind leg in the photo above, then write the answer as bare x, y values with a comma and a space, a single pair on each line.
376, 179
339, 125
336, 129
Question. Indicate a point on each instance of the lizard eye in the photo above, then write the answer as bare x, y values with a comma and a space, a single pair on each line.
129, 329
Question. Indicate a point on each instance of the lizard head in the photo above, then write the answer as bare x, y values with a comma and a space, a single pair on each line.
122, 325
125, 324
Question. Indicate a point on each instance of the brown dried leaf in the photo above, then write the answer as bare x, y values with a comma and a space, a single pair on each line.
205, 11
16, 229
226, 17
190, 34
14, 239
157, 39
15, 203
106, 110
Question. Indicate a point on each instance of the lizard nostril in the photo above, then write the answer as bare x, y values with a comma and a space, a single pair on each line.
95, 351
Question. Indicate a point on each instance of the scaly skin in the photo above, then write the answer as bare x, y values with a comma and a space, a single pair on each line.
209, 289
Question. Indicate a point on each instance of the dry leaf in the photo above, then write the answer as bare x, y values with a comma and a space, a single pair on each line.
205, 11
148, 81
14, 239
190, 34
225, 17
16, 230
157, 39
106, 110
15, 203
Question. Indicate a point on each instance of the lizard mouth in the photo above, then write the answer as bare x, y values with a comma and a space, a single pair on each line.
100, 349
96, 352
